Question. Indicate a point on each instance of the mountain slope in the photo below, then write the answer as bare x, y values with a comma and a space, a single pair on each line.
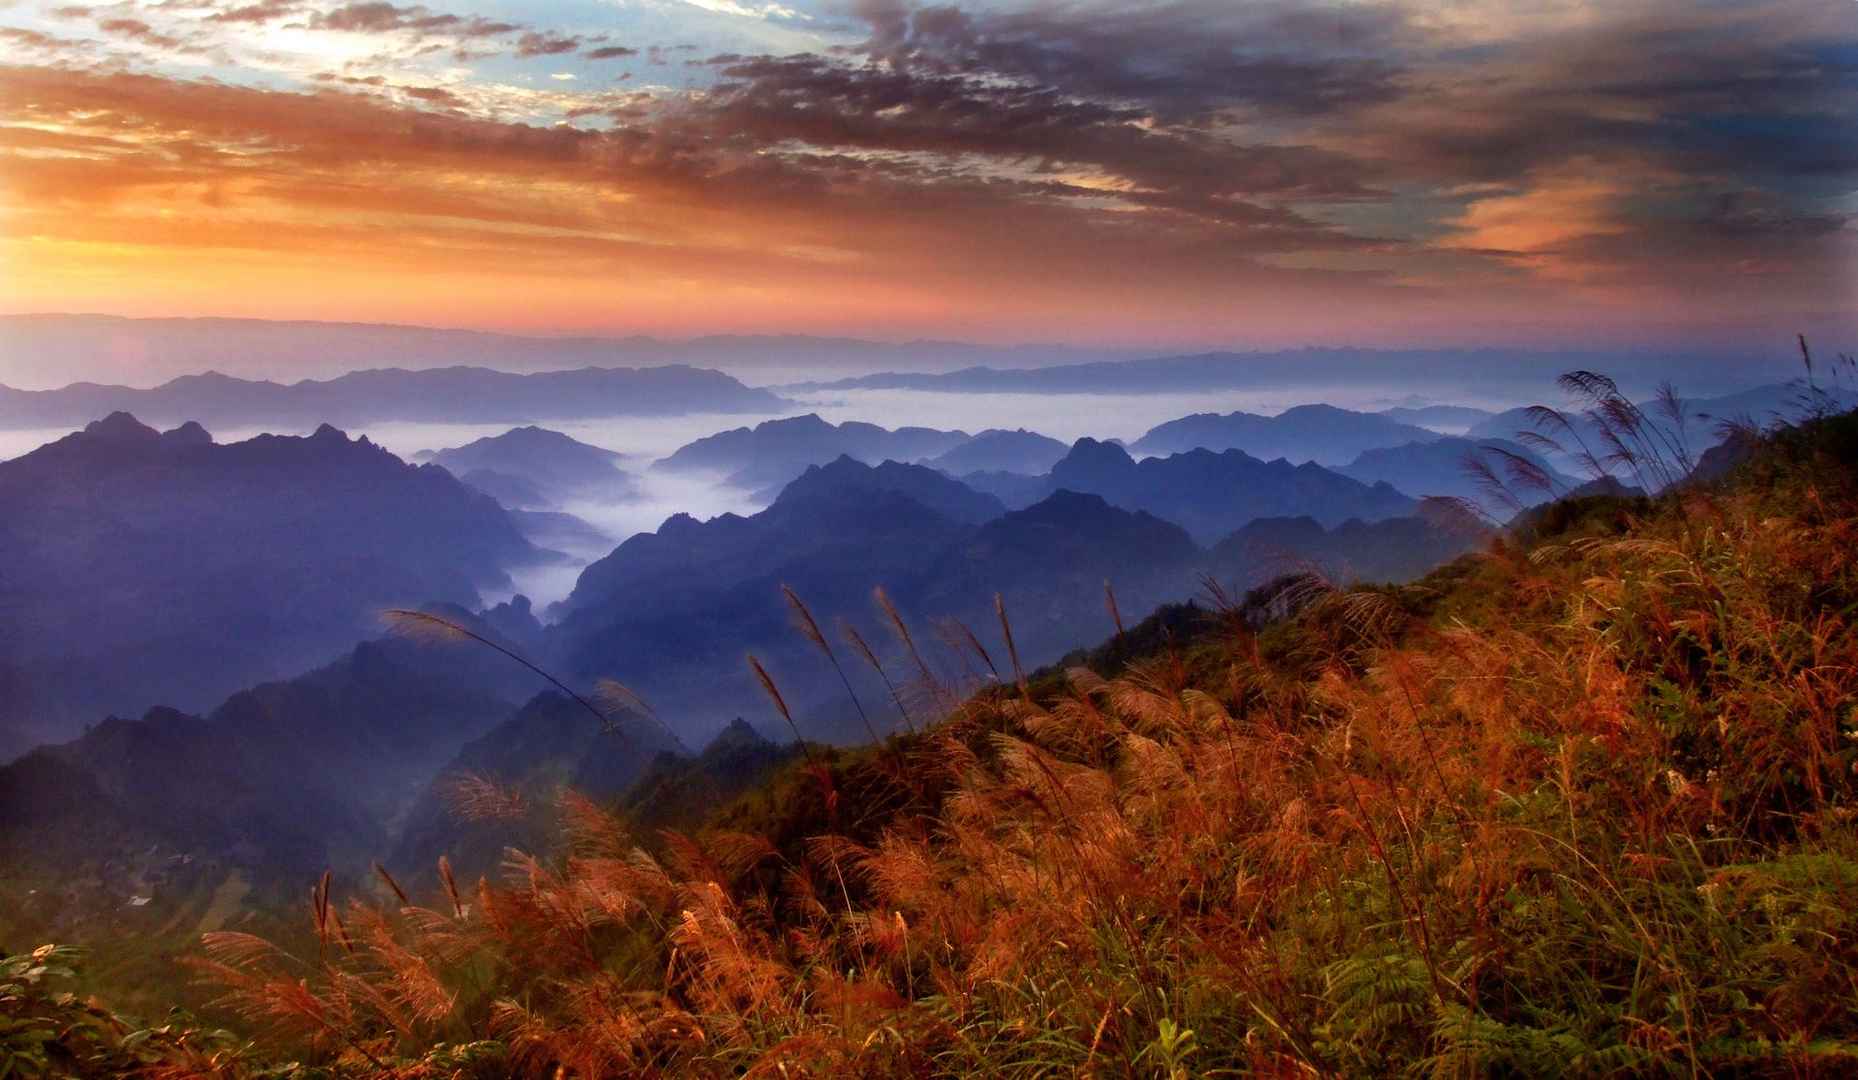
549, 746
281, 780
925, 485
1213, 494
146, 568
1440, 467
772, 453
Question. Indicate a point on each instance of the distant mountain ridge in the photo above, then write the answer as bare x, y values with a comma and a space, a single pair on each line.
1209, 494
845, 476
998, 450
46, 347
1446, 419
438, 395
1442, 467
1320, 433
533, 468
769, 455
1439, 373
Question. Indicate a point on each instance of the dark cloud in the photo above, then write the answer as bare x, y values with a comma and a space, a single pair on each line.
262, 12
610, 52
435, 95
826, 102
137, 30
1179, 59
34, 39
545, 44
376, 17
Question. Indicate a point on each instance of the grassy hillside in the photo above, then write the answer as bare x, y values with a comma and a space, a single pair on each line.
1580, 804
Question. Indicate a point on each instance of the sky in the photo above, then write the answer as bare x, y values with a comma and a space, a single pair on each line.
1169, 174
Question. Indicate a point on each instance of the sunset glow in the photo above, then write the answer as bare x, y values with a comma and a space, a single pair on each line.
1197, 171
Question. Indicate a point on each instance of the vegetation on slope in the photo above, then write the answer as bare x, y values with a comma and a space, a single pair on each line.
1577, 805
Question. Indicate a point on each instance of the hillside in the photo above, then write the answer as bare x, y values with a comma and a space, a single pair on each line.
1572, 806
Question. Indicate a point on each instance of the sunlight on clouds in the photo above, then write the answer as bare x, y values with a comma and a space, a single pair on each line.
1543, 219
1040, 168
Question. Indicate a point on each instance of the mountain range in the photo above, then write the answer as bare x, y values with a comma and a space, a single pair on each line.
44, 348
145, 567
1440, 467
1440, 374
1319, 433
356, 758
1210, 494
672, 613
441, 395
765, 457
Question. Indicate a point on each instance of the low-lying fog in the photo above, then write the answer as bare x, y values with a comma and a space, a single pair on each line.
646, 439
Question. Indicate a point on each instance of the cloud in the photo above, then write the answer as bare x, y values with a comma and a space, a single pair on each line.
262, 12
139, 31
377, 17
35, 39
545, 44
1211, 162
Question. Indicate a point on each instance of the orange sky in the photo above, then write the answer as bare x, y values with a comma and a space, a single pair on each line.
1195, 171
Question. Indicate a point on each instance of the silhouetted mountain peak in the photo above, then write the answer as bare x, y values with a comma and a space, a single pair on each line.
845, 477
1064, 504
188, 434
329, 433
120, 427
739, 733
679, 524
1097, 453
806, 422
1090, 463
